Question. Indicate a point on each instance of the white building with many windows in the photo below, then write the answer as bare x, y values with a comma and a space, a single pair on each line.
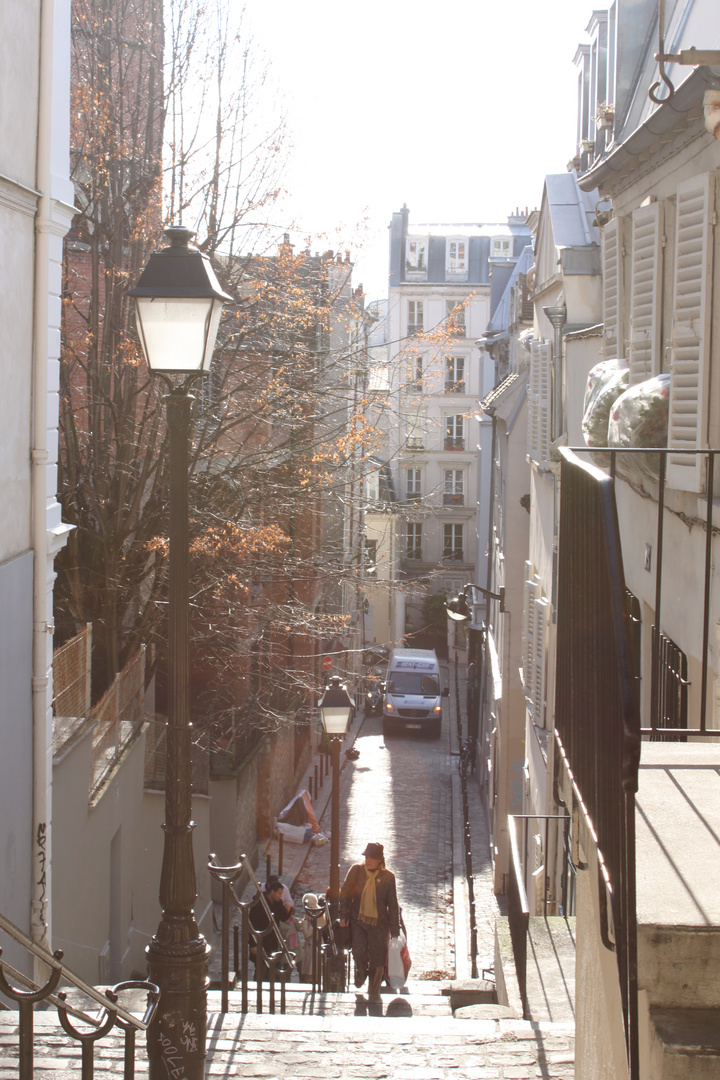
444, 280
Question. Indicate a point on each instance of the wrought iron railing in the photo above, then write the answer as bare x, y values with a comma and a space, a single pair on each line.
25, 993
518, 913
328, 968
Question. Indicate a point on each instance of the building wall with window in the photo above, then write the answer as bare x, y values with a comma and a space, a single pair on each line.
441, 279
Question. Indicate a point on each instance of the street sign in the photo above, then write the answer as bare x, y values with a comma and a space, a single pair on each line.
327, 663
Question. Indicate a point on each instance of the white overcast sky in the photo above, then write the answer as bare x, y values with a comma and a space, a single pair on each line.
458, 108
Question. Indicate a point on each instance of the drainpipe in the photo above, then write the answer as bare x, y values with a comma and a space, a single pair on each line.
558, 318
46, 224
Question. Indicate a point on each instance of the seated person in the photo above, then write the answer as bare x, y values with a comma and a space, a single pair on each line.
281, 913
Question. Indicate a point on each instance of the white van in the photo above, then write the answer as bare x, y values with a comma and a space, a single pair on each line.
413, 696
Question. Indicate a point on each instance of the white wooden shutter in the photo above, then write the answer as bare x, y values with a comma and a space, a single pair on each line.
530, 593
645, 293
541, 612
539, 401
613, 343
690, 331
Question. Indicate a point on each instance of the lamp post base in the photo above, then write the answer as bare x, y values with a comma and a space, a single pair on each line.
176, 1040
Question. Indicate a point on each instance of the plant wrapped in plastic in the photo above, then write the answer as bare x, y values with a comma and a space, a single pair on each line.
606, 381
640, 418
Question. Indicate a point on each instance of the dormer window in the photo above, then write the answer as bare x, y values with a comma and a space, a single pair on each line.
501, 247
416, 257
457, 257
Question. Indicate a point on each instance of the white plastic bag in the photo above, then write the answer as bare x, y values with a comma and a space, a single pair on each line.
398, 963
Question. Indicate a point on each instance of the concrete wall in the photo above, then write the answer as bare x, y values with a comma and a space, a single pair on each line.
16, 765
107, 865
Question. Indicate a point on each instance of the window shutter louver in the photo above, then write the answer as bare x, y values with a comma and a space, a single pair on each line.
539, 399
613, 344
645, 293
531, 591
690, 331
541, 617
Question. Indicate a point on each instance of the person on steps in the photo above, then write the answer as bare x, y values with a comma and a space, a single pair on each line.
368, 902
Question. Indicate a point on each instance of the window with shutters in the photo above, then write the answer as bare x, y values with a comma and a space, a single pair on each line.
690, 331
539, 402
645, 293
613, 344
536, 619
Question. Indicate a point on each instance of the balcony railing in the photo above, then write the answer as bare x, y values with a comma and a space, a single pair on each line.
452, 555
415, 443
454, 443
453, 499
455, 386
413, 496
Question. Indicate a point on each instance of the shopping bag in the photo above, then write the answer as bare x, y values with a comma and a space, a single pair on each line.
398, 964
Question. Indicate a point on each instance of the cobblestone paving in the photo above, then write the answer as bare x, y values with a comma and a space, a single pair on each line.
372, 1047
398, 793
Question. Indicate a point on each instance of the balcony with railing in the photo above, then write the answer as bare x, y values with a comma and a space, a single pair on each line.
455, 498
454, 386
636, 746
456, 442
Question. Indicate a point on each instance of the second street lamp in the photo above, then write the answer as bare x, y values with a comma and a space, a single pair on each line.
336, 708
178, 308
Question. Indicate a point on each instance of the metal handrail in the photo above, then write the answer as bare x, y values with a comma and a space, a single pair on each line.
518, 912
53, 962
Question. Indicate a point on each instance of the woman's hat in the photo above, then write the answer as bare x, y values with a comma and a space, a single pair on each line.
375, 851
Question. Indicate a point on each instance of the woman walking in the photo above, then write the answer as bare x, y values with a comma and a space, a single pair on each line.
368, 901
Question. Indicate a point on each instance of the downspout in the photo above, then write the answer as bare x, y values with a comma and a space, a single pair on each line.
43, 627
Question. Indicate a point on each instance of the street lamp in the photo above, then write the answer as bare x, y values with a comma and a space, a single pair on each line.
458, 608
178, 306
336, 707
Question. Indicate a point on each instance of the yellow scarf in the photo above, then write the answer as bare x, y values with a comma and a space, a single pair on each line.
368, 899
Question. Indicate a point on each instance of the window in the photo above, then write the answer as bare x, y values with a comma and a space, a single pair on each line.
415, 317
414, 432
455, 316
455, 375
453, 542
501, 247
370, 554
457, 257
454, 437
415, 371
372, 487
416, 256
645, 293
453, 487
413, 485
413, 544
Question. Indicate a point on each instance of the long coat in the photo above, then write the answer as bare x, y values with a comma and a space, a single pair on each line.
385, 891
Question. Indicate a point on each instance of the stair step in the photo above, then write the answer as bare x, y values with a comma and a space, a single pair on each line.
685, 1044
300, 999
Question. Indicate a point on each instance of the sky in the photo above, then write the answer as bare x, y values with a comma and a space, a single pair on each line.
457, 108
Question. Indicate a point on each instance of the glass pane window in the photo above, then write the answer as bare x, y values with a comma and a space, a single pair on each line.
413, 546
372, 487
415, 317
453, 542
414, 431
455, 374
501, 247
416, 255
370, 552
454, 439
413, 484
457, 256
455, 315
454, 482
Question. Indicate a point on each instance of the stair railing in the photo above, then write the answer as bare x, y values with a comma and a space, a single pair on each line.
26, 993
280, 964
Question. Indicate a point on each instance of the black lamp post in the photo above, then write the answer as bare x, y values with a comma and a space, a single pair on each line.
178, 307
336, 707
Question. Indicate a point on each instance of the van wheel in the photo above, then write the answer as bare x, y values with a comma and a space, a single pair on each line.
435, 729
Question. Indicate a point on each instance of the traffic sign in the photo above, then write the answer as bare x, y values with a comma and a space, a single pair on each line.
327, 663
